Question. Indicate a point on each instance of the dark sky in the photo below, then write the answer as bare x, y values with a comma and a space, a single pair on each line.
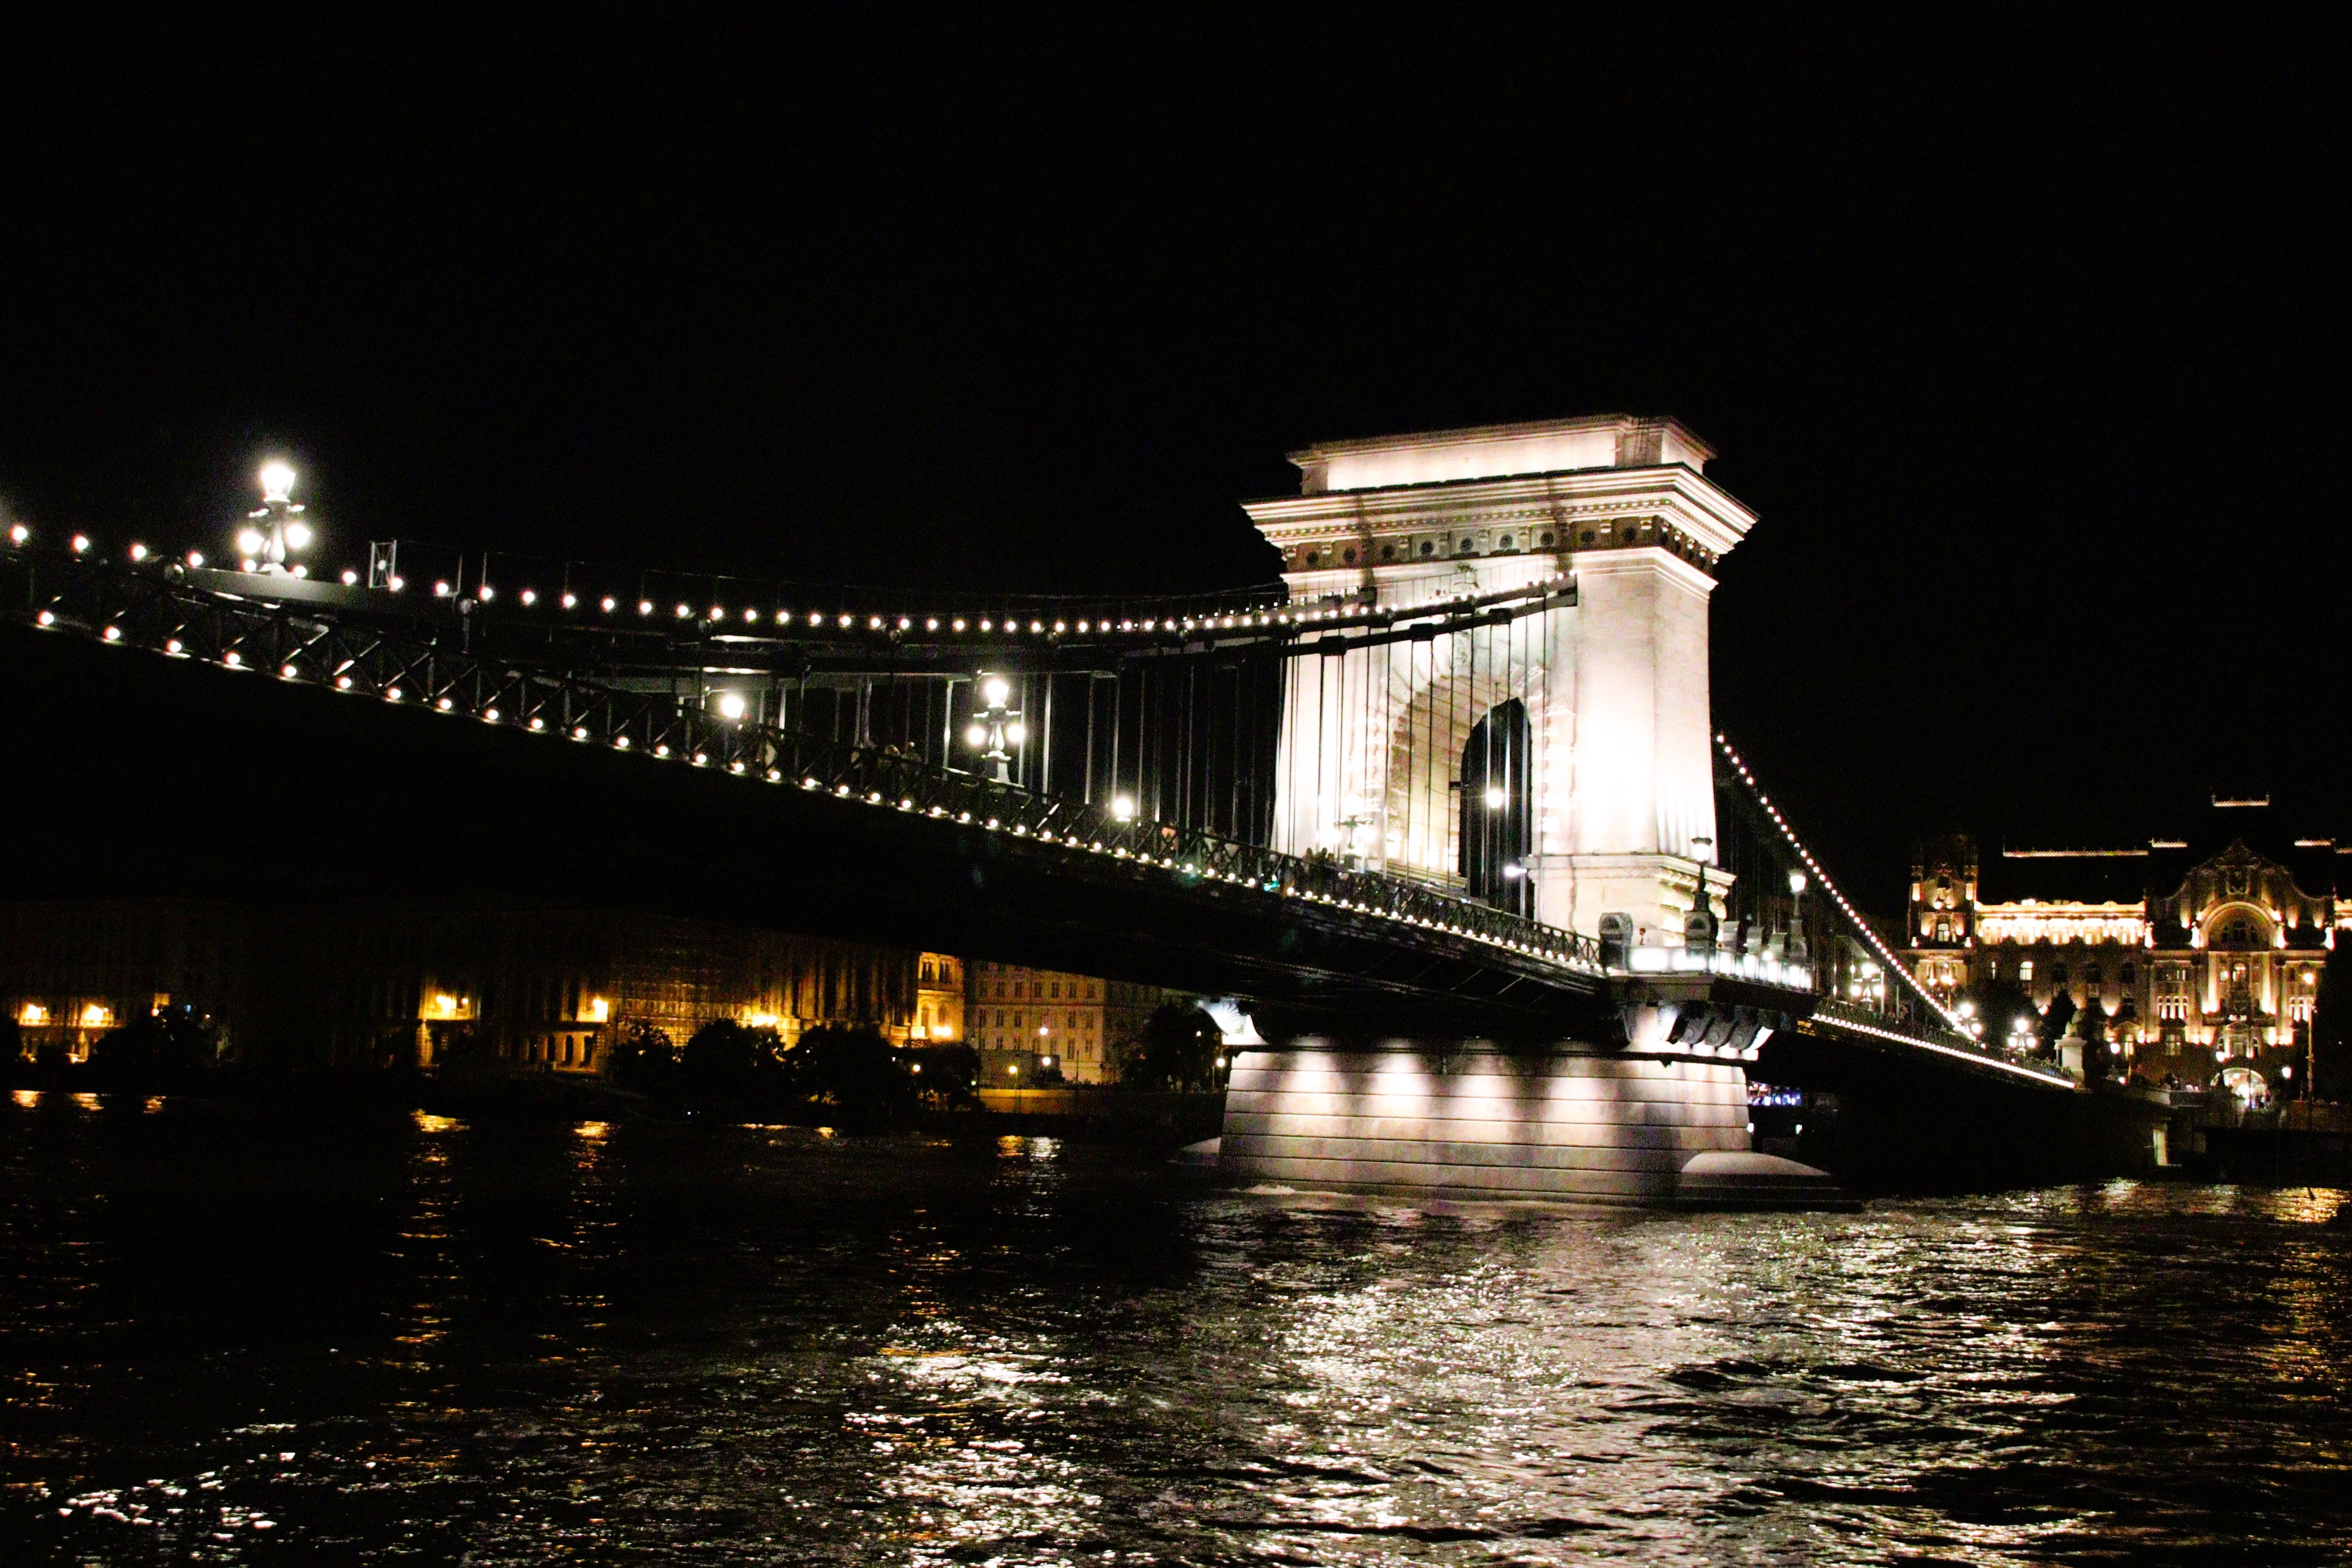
2024, 342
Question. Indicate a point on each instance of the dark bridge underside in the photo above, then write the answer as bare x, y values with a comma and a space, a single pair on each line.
132, 773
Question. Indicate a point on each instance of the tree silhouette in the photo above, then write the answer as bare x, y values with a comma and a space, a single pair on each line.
642, 1057
2055, 1022
853, 1068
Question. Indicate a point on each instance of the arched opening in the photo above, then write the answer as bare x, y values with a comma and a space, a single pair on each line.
1498, 816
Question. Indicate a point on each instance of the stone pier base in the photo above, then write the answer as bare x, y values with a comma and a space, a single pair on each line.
1476, 1122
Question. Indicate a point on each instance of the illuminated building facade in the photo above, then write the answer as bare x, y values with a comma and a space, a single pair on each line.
508, 988
69, 971
939, 999
2202, 956
1558, 761
1028, 1022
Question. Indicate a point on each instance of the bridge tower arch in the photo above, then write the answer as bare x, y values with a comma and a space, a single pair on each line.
1615, 786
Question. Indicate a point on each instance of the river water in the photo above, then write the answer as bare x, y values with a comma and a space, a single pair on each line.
234, 1336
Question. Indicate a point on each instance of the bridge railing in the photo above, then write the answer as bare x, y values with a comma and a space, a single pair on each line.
305, 645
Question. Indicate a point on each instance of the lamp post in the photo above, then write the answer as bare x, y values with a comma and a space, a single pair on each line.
1795, 950
277, 528
996, 726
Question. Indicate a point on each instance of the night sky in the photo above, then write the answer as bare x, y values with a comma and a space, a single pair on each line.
2025, 344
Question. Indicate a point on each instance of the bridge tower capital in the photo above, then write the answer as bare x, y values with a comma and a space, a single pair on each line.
1553, 753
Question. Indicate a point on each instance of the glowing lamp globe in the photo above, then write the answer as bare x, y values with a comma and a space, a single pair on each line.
276, 481
249, 541
730, 705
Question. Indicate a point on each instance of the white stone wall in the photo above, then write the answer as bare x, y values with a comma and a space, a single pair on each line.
1596, 1129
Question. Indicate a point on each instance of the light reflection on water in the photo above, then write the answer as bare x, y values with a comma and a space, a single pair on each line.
237, 1339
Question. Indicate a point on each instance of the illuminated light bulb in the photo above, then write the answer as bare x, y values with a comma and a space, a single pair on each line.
580, 732
396, 583
173, 646
995, 690
683, 612
620, 742
440, 590
750, 616
489, 715
718, 613
644, 607
114, 634
931, 624
485, 593
816, 618
538, 723
80, 542
392, 694
983, 624
1122, 808
845, 623
276, 480
571, 600
730, 705
528, 597
959, 626
351, 578
661, 750
977, 734
1016, 733
1496, 799
297, 536
342, 683
20, 533
286, 670
873, 623
139, 553
249, 541
230, 660
444, 705
608, 604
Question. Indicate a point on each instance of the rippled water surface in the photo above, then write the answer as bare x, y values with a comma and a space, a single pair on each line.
230, 1337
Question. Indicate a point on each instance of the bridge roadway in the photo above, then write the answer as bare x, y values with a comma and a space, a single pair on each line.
664, 803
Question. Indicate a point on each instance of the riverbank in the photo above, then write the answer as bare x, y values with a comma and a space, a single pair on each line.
1083, 1113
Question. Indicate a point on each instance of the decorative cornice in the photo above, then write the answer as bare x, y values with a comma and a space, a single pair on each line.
1696, 504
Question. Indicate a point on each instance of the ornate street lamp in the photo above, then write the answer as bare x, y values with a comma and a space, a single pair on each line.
995, 727
276, 529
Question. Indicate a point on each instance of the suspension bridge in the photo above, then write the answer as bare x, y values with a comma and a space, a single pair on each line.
1444, 805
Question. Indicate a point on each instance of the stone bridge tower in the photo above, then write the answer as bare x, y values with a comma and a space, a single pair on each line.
1559, 763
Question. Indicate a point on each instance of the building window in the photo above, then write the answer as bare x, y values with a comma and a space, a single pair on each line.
2024, 969
1388, 551
1943, 931
1504, 543
2057, 974
1429, 547
2128, 976
1547, 541
2090, 976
